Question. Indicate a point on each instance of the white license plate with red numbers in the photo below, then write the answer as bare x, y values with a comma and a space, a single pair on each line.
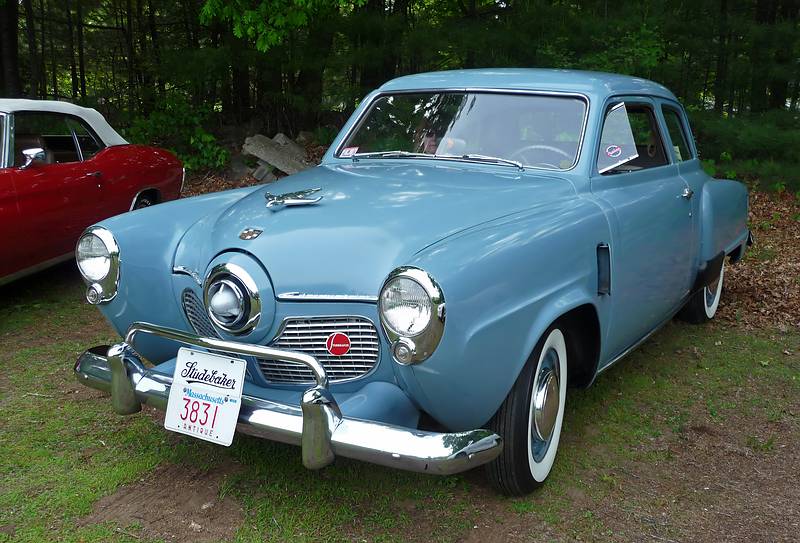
206, 396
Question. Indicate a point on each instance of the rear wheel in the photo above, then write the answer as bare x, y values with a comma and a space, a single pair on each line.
703, 304
530, 419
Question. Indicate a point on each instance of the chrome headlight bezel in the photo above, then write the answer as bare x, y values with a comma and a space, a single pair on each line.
105, 289
232, 273
410, 349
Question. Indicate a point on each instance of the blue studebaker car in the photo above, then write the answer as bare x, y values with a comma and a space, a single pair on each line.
473, 243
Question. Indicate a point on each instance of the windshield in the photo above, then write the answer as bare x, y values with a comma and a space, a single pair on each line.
535, 130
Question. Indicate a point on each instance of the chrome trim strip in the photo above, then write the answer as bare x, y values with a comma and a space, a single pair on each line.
317, 425
489, 90
183, 270
305, 297
36, 268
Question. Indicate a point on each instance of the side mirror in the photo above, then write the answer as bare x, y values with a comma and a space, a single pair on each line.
35, 154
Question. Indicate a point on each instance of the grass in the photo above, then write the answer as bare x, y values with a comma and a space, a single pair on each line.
64, 450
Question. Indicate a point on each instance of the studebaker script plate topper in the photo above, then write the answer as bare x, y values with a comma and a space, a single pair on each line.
472, 243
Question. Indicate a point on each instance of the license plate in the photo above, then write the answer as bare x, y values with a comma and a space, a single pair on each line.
205, 396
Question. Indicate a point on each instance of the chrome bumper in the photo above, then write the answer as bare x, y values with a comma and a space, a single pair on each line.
317, 425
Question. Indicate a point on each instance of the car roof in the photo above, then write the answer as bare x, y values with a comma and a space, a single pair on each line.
92, 117
592, 84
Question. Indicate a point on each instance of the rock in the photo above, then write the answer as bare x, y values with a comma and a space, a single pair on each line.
304, 137
286, 142
274, 154
264, 172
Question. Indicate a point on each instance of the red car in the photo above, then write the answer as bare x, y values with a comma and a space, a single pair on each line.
63, 168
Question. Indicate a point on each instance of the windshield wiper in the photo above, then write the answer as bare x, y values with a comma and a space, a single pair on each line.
485, 158
390, 154
469, 156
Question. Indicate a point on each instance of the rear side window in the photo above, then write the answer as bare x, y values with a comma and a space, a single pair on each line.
48, 131
677, 134
87, 141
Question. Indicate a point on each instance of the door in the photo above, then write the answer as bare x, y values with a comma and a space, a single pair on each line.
57, 197
649, 209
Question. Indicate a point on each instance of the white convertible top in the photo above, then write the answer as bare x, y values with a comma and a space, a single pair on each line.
92, 117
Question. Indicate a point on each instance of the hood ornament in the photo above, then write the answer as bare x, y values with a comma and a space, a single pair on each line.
299, 198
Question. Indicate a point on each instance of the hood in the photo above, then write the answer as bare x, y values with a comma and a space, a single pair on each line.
372, 218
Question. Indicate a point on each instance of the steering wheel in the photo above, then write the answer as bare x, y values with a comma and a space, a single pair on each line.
555, 150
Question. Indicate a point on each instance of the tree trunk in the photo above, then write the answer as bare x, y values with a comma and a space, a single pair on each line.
9, 48
132, 87
721, 72
760, 54
30, 34
81, 52
783, 59
317, 49
53, 66
151, 22
71, 47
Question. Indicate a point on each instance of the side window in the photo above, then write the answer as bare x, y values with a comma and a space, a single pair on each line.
677, 134
48, 131
88, 142
648, 148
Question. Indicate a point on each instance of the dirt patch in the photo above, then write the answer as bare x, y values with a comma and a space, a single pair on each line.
763, 290
717, 481
174, 503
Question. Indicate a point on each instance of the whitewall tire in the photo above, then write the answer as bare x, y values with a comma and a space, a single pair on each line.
703, 304
531, 418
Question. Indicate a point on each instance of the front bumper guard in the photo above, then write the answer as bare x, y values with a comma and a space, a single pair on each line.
317, 425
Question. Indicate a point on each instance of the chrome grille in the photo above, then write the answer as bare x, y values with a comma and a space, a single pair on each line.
308, 335
196, 313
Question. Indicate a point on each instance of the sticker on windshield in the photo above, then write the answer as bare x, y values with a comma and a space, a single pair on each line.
348, 152
613, 151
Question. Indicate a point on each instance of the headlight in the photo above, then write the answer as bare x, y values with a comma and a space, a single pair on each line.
94, 258
411, 307
405, 306
97, 255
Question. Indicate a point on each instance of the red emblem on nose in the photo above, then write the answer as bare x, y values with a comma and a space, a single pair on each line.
338, 344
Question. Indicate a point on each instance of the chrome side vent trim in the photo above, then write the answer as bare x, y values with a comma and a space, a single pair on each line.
196, 314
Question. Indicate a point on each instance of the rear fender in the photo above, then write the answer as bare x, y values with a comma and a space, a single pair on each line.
723, 218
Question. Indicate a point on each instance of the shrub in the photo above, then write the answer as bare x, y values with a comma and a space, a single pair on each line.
179, 126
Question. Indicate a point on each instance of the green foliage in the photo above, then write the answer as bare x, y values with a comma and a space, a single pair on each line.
761, 149
179, 126
267, 22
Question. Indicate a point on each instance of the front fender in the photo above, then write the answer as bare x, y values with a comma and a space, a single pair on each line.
504, 284
147, 239
723, 218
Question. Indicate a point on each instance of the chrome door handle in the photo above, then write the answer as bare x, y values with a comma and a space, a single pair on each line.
687, 193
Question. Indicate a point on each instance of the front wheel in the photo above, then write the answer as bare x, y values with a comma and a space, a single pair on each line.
703, 304
530, 419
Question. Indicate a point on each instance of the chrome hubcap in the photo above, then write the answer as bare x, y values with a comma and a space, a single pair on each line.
711, 293
546, 404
